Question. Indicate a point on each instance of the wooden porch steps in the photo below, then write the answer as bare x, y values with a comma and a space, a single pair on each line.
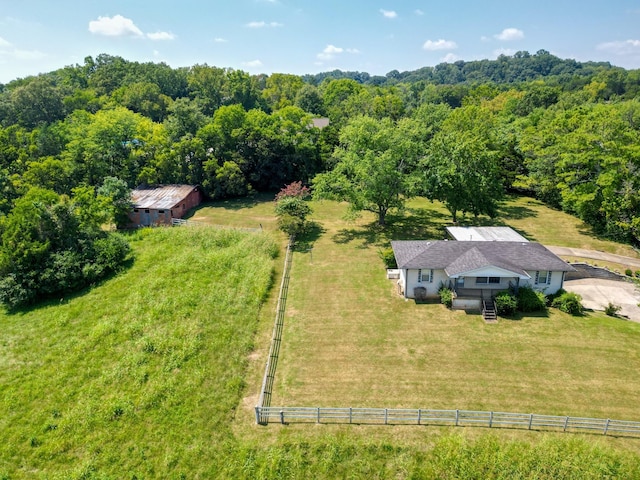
489, 311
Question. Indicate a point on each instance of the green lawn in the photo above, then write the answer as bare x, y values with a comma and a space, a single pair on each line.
350, 340
155, 372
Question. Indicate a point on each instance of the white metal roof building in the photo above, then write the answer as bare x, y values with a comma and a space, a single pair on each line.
485, 234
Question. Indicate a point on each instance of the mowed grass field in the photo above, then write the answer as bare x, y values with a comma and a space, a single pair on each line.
351, 340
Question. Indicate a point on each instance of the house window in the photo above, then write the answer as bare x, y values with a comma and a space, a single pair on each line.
425, 276
146, 210
160, 211
135, 210
487, 280
543, 277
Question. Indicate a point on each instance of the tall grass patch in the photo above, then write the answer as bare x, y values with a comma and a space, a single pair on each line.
141, 374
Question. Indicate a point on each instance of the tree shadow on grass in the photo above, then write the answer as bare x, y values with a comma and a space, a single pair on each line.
413, 224
522, 315
305, 241
516, 212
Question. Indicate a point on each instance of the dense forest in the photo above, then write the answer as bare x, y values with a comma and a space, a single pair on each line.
73, 140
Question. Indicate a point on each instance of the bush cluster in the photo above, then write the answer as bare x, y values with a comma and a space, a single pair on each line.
64, 271
388, 258
292, 209
612, 310
52, 245
506, 303
568, 302
530, 300
446, 296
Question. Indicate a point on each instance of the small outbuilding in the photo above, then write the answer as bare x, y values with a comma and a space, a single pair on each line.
158, 205
485, 234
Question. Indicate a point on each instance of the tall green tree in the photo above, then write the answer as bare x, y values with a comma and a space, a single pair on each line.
373, 167
461, 168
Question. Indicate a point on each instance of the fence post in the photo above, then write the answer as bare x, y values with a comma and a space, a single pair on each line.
490, 419
419, 415
606, 427
257, 414
530, 420
457, 416
318, 415
386, 416
350, 414
566, 423
282, 417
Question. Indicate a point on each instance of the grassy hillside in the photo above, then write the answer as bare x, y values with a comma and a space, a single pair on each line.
142, 374
144, 377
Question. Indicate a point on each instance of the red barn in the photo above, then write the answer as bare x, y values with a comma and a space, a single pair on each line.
158, 205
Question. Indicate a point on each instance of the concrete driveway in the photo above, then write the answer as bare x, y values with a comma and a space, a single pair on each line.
597, 293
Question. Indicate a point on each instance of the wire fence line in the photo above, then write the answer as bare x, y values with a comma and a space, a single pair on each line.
179, 222
459, 418
274, 349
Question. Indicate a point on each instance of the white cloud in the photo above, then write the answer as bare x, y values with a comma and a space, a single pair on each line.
504, 51
330, 51
441, 44
161, 36
626, 47
264, 24
220, 40
419, 12
509, 34
18, 54
252, 63
388, 13
450, 58
116, 26
9, 51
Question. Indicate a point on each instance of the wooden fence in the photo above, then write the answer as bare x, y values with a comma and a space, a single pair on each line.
462, 418
274, 349
266, 414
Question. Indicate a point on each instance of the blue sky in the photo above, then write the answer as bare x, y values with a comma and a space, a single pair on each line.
310, 36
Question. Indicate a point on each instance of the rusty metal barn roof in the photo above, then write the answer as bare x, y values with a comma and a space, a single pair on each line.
160, 197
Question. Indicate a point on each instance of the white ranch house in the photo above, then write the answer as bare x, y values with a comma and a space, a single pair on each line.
475, 270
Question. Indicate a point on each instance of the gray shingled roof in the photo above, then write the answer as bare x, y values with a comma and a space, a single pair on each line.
456, 257
160, 197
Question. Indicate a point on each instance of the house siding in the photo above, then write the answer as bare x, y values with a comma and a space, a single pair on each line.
557, 281
409, 278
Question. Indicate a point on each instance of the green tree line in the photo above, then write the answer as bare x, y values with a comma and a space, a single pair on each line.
462, 133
